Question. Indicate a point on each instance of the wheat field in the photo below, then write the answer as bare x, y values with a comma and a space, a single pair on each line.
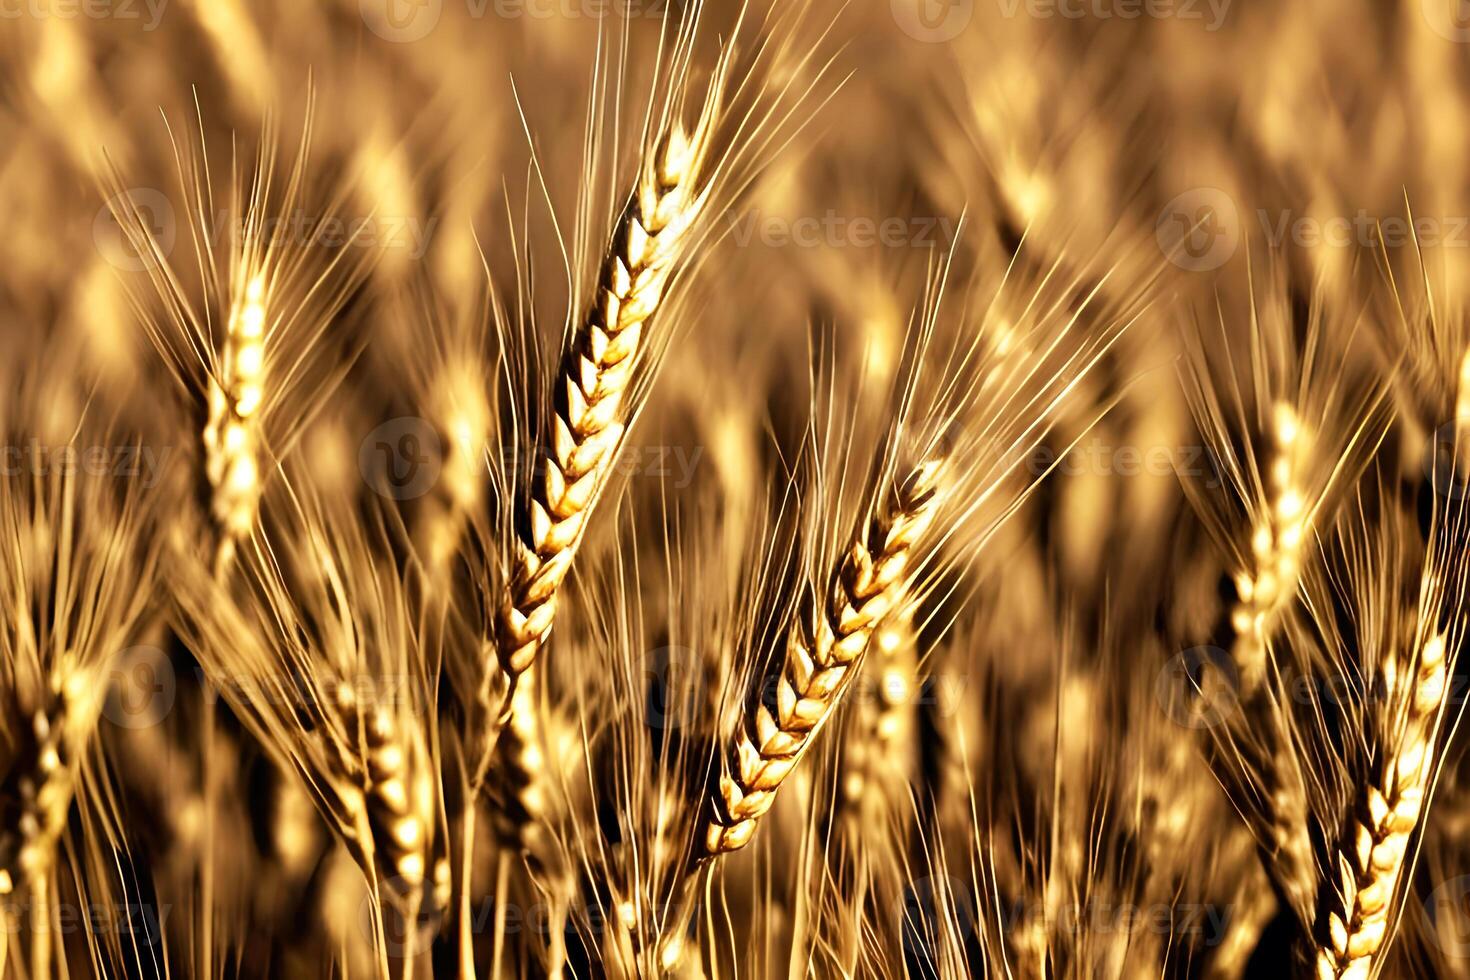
662, 488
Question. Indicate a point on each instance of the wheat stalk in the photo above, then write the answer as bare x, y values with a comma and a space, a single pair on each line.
592, 401
823, 654
43, 788
385, 807
1355, 919
1317, 437
322, 663
232, 440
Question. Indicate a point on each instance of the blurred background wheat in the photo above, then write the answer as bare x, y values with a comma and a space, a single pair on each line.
610, 488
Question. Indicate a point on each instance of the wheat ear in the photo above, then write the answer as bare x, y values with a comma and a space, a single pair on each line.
382, 766
399, 818
1265, 588
591, 395
462, 415
384, 808
78, 574
523, 794
1276, 549
520, 790
877, 741
232, 433
43, 790
823, 653
1354, 922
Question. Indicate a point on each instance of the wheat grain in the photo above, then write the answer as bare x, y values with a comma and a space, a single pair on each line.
823, 654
